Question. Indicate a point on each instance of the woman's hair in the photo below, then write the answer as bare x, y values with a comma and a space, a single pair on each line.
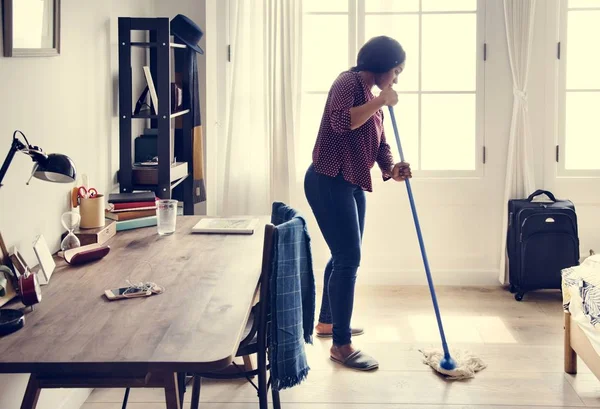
379, 55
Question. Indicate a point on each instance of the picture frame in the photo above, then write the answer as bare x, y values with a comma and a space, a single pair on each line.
31, 34
45, 259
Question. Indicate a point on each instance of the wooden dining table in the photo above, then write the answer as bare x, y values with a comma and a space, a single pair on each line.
76, 338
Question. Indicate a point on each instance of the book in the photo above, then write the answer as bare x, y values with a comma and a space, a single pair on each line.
226, 225
131, 197
130, 214
137, 223
151, 88
115, 207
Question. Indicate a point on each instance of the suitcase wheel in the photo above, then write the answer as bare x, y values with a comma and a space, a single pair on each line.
513, 289
519, 296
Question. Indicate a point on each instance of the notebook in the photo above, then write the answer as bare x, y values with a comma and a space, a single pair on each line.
226, 225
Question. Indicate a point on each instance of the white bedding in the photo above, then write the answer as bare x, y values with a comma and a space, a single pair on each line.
581, 297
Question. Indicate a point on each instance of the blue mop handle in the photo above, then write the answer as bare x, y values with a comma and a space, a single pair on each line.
421, 243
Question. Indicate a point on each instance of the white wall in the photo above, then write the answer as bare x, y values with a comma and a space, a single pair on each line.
461, 218
65, 104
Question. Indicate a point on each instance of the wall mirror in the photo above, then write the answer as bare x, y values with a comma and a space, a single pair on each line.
31, 28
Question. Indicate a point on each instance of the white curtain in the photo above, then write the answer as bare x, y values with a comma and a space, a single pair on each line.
520, 183
257, 161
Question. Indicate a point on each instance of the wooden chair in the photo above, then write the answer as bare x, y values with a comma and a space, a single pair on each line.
255, 341
256, 337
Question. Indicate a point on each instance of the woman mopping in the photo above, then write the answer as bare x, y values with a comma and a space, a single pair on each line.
351, 139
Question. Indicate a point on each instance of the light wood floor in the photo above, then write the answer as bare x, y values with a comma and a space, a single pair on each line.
520, 341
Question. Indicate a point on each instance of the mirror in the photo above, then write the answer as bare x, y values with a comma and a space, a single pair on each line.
31, 28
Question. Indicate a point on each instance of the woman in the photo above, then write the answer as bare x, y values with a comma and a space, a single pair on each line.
350, 140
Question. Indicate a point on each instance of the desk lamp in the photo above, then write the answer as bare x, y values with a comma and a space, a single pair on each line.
51, 167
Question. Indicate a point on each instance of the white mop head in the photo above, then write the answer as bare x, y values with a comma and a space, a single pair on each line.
466, 363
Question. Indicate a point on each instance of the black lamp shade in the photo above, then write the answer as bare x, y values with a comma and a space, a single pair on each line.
56, 168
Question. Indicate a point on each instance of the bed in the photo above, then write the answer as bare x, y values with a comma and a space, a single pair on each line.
581, 304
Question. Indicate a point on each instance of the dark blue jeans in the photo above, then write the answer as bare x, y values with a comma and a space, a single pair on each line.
339, 208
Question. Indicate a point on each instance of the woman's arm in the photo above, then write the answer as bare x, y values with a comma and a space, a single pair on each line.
361, 114
343, 115
399, 171
385, 159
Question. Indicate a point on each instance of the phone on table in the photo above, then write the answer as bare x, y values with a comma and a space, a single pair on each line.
126, 292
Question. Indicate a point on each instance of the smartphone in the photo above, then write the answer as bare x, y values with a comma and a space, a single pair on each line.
121, 293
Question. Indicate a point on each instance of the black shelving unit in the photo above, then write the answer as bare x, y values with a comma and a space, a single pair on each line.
162, 53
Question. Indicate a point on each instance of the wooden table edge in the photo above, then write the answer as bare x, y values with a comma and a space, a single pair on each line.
104, 368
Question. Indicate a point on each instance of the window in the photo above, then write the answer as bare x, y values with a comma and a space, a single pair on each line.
440, 109
579, 85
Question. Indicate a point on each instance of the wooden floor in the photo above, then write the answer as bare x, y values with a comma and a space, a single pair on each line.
520, 341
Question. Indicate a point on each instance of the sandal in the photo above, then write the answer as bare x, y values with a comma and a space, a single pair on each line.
359, 361
353, 331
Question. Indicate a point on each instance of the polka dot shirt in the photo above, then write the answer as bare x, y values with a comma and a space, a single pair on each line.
353, 153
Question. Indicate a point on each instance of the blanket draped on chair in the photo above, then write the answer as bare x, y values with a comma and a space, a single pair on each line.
292, 298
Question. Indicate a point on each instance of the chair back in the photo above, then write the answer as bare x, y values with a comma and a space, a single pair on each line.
261, 311
264, 311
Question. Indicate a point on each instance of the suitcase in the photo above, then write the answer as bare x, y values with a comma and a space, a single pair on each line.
542, 240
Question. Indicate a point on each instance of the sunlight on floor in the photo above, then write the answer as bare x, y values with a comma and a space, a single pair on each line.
468, 329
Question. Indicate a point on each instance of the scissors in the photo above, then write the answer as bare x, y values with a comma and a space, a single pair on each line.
84, 193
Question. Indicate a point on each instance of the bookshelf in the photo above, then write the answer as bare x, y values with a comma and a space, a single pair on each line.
167, 178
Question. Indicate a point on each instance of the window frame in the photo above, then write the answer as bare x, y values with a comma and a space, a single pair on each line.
356, 37
561, 100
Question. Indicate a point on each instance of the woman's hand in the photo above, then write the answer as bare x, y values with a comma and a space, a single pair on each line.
389, 96
401, 171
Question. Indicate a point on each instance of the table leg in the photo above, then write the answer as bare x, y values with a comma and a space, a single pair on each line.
248, 363
196, 392
171, 390
32, 393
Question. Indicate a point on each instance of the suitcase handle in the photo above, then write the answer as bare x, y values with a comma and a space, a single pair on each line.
541, 192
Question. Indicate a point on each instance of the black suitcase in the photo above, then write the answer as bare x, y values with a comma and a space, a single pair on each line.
542, 240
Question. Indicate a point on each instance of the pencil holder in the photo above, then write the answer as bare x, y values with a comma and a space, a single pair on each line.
92, 212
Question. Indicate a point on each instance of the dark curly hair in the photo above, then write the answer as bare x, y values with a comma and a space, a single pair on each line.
379, 54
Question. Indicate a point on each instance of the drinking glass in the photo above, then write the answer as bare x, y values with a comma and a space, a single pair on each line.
166, 213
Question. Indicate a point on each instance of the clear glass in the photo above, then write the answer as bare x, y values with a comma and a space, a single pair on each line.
448, 130
388, 6
70, 221
407, 119
582, 131
449, 60
449, 5
582, 57
322, 64
405, 30
166, 213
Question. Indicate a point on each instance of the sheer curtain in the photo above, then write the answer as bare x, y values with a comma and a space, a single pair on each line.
519, 21
257, 164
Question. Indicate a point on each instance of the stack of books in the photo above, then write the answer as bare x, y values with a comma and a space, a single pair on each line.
132, 210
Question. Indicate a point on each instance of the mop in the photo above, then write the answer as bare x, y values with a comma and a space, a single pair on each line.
464, 364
